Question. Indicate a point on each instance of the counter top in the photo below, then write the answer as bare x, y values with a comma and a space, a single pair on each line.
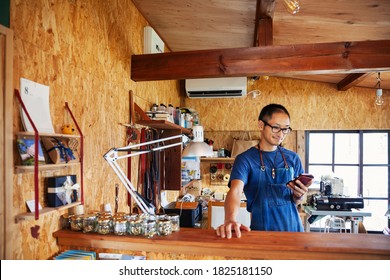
252, 245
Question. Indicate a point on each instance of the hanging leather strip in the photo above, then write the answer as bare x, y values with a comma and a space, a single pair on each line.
156, 173
148, 188
141, 167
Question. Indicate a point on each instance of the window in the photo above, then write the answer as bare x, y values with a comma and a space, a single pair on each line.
361, 159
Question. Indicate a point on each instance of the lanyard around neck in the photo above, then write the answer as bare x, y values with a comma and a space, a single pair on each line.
273, 171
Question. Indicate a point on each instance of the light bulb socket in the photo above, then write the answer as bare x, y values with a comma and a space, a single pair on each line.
292, 6
379, 92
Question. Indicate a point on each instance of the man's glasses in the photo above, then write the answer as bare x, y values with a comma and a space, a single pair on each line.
277, 129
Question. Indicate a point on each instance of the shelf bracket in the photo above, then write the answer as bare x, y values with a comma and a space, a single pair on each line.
81, 153
36, 140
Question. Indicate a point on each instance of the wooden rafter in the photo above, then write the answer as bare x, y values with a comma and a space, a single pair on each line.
324, 58
263, 23
351, 80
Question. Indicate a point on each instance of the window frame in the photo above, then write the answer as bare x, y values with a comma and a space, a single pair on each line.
360, 164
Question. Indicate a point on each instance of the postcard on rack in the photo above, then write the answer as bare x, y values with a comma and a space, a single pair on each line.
36, 100
26, 147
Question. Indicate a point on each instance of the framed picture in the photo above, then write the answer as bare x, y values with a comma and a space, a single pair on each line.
26, 147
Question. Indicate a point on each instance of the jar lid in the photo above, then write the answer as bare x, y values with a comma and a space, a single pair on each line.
120, 220
90, 217
164, 221
67, 216
173, 215
150, 222
104, 219
77, 217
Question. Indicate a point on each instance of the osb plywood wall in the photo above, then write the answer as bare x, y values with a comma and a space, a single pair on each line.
82, 50
311, 106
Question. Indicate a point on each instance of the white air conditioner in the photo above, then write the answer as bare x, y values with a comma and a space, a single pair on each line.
216, 87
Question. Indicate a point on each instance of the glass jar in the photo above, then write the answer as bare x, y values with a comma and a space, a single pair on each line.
104, 225
130, 221
160, 216
76, 223
149, 228
175, 220
164, 227
135, 226
65, 221
120, 226
89, 223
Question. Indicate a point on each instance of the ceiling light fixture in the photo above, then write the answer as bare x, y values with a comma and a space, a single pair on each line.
379, 98
292, 6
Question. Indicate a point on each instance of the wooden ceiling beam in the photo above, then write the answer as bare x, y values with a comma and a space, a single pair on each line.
324, 58
263, 23
351, 80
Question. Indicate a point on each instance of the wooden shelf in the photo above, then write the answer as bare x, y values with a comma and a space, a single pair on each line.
161, 124
43, 167
25, 133
44, 211
216, 159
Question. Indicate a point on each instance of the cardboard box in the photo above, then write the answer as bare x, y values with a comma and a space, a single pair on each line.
61, 190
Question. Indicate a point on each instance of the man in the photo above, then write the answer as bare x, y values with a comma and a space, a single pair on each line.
264, 174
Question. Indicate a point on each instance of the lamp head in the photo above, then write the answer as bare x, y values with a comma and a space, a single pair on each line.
197, 147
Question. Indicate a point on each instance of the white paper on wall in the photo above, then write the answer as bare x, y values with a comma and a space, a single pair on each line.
36, 99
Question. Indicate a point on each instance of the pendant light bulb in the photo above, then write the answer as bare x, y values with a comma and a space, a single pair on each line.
379, 98
292, 6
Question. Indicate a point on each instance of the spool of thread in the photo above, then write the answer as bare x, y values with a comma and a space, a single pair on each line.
79, 210
107, 207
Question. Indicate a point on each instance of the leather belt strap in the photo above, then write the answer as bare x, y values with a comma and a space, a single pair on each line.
141, 167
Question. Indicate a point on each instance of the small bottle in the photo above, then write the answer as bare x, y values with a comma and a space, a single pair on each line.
170, 112
182, 120
195, 119
188, 120
176, 116
162, 108
154, 108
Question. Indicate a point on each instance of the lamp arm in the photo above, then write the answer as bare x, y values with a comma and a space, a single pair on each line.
145, 206
112, 156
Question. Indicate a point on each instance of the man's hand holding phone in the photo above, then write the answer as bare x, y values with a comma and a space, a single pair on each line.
300, 185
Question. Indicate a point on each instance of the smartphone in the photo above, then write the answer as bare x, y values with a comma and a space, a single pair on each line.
304, 178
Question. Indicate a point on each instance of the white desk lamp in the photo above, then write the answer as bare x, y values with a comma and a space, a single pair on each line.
194, 148
197, 147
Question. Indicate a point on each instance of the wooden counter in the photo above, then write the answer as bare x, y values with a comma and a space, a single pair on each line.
192, 243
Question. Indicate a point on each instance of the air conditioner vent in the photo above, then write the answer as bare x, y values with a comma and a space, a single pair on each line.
216, 87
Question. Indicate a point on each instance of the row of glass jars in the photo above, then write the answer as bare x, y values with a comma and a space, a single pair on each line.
124, 224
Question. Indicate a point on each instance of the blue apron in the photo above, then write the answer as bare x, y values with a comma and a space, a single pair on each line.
272, 207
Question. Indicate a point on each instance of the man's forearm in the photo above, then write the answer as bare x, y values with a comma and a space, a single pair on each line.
232, 206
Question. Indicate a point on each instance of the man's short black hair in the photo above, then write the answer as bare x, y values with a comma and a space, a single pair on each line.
268, 110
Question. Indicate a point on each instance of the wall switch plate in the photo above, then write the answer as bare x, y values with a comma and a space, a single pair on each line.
152, 42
